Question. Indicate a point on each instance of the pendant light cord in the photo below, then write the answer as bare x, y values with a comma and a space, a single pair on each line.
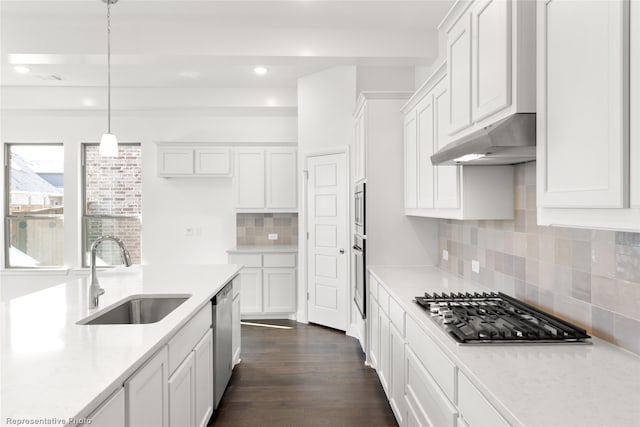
108, 66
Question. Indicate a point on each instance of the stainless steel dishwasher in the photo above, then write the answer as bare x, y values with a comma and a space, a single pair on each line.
222, 347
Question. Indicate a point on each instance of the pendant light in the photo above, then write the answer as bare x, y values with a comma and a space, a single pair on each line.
108, 142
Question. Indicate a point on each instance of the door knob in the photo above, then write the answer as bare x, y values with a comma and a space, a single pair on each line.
341, 251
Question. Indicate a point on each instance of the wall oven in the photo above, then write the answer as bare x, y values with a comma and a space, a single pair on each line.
360, 294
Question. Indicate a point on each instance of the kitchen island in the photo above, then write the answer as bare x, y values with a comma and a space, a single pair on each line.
56, 369
533, 385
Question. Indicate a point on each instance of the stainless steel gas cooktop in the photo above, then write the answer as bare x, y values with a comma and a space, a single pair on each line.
490, 318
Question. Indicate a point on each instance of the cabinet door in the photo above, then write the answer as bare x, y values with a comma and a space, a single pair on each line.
249, 178
385, 351
582, 115
446, 178
110, 413
635, 103
459, 72
203, 360
251, 290
396, 375
281, 178
491, 66
425, 150
410, 160
147, 393
279, 290
236, 329
212, 161
175, 161
181, 395
360, 145
374, 334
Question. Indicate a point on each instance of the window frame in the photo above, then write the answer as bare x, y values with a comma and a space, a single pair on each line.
8, 217
83, 202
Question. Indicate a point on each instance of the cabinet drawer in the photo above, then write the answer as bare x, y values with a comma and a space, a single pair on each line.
423, 395
279, 260
434, 360
383, 299
396, 315
187, 337
248, 260
474, 408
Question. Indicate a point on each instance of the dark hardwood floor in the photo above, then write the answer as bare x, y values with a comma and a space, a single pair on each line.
305, 376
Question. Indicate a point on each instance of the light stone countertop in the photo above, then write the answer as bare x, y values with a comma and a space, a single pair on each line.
531, 385
249, 249
54, 368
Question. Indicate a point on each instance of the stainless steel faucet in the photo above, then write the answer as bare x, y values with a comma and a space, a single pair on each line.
94, 289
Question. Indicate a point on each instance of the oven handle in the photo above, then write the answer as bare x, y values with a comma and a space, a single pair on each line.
357, 250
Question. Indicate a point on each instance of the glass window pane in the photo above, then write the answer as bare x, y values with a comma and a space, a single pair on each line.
113, 185
36, 242
36, 179
127, 229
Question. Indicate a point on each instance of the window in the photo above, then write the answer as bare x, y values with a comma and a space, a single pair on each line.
112, 202
34, 233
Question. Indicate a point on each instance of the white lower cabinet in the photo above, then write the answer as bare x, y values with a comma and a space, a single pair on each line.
110, 414
396, 374
268, 283
385, 351
374, 333
182, 395
474, 407
147, 393
203, 383
235, 322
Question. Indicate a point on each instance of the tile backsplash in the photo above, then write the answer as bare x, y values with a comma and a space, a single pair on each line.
254, 228
588, 277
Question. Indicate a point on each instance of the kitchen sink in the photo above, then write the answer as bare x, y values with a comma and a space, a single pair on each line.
138, 309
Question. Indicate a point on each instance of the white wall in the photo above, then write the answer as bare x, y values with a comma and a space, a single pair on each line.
169, 205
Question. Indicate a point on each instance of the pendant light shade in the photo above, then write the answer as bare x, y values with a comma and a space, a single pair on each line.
108, 145
109, 142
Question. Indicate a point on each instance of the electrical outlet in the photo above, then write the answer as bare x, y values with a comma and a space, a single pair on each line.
445, 255
273, 236
475, 266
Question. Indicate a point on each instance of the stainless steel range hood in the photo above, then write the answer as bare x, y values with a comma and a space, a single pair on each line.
509, 141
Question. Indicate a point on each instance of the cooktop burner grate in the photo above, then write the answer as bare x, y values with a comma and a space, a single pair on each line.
497, 318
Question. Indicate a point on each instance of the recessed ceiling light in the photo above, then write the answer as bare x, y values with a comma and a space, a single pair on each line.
22, 69
260, 70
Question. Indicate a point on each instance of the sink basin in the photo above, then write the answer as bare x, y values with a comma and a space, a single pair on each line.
138, 309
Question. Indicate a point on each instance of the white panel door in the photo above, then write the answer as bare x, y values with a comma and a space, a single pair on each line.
282, 175
635, 103
425, 150
459, 72
328, 275
212, 161
249, 178
182, 395
203, 361
147, 393
251, 290
491, 66
175, 161
446, 178
110, 413
279, 287
410, 160
582, 146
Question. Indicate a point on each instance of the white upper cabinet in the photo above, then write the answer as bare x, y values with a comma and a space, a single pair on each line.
459, 71
469, 192
588, 152
491, 55
582, 143
491, 62
359, 145
425, 122
265, 179
193, 161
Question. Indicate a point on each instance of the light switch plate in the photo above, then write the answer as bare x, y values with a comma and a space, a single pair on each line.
475, 266
273, 236
445, 255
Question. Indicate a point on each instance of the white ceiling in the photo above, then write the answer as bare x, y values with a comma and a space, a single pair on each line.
210, 43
